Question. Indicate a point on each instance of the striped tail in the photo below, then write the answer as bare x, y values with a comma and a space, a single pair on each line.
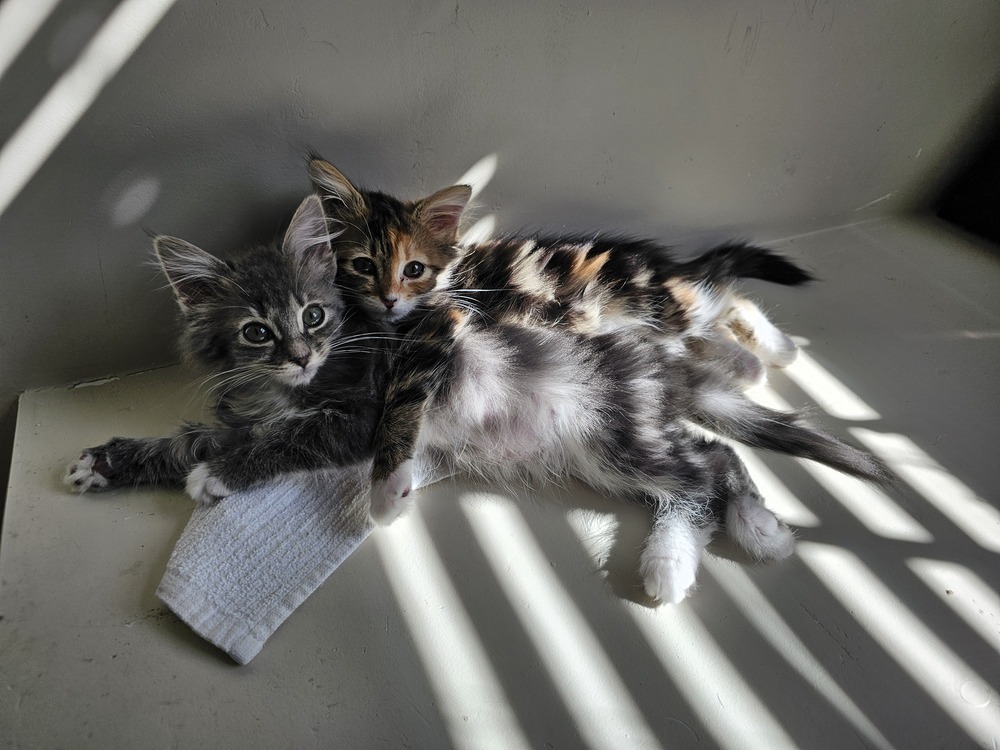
739, 260
734, 416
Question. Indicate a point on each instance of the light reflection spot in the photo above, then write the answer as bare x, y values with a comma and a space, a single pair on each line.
134, 201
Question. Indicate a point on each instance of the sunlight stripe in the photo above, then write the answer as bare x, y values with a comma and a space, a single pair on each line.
479, 175
958, 503
879, 513
914, 646
71, 96
481, 231
835, 398
595, 531
766, 395
968, 595
470, 698
19, 20
591, 688
713, 687
773, 628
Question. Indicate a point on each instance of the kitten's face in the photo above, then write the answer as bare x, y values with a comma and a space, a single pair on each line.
390, 252
280, 335
269, 316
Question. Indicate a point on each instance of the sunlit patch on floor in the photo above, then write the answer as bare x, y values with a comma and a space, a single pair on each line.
714, 688
879, 513
950, 496
471, 699
968, 595
913, 645
773, 628
835, 398
592, 690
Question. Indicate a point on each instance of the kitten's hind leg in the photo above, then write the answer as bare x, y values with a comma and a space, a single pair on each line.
757, 530
752, 328
670, 558
751, 525
742, 365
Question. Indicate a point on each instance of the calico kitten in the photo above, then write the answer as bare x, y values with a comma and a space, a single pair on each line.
300, 375
513, 403
395, 253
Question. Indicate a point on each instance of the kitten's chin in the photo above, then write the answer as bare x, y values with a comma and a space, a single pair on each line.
400, 311
298, 377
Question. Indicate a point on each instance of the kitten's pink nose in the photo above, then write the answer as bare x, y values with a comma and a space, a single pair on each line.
301, 361
388, 302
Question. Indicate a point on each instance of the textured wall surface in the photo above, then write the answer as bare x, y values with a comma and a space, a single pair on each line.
193, 118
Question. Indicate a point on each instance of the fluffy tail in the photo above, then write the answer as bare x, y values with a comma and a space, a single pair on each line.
732, 415
739, 260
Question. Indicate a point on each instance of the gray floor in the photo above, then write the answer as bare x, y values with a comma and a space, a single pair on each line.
482, 622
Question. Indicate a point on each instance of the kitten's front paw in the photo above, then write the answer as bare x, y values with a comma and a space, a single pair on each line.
389, 496
85, 473
204, 488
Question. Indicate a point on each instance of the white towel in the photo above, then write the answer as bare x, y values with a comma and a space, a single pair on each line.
243, 565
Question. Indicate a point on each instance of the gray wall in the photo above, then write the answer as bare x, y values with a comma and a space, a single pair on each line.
670, 118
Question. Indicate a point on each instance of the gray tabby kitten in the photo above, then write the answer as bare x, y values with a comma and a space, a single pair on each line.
300, 386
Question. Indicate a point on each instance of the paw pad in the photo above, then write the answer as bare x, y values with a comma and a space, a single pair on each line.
83, 474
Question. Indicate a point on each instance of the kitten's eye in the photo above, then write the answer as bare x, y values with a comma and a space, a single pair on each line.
413, 269
257, 333
313, 315
364, 265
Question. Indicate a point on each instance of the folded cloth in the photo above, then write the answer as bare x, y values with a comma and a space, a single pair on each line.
243, 565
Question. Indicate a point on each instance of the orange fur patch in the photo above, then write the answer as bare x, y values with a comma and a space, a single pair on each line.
743, 332
586, 269
683, 292
406, 247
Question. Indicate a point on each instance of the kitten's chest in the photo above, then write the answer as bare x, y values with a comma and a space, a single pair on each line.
260, 406
514, 397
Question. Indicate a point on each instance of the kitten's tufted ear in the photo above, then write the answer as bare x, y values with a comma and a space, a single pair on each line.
193, 274
308, 235
332, 183
442, 212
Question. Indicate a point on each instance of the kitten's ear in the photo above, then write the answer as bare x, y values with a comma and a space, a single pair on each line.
193, 274
442, 212
332, 183
308, 234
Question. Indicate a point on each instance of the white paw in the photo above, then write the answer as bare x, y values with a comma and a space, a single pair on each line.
757, 530
82, 476
203, 488
668, 578
389, 496
778, 350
